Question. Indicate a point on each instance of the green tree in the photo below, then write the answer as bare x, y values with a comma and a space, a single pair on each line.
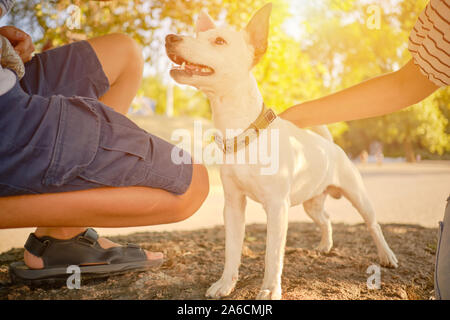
351, 52
315, 48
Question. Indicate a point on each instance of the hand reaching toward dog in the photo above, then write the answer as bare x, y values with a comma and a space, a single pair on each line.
20, 41
375, 97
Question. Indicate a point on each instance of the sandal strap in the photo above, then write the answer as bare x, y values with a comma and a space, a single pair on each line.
35, 246
90, 235
81, 249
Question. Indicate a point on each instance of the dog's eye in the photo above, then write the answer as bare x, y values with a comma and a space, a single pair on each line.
220, 41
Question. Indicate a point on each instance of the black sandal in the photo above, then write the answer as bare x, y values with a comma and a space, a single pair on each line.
83, 251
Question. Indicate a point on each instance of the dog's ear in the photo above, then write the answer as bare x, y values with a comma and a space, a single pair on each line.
204, 22
258, 31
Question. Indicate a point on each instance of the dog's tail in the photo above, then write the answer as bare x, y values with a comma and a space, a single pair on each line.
322, 131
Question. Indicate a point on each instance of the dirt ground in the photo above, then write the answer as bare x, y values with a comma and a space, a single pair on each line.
194, 260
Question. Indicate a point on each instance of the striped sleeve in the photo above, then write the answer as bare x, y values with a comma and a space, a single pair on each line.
429, 42
6, 5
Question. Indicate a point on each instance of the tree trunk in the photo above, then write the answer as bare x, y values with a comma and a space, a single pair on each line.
409, 151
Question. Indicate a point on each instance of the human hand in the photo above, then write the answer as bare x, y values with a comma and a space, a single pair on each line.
20, 40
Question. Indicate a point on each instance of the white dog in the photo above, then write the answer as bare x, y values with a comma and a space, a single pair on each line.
218, 61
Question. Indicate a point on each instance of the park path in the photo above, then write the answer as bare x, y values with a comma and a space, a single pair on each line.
401, 193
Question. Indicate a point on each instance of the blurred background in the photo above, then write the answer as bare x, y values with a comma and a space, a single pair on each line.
315, 48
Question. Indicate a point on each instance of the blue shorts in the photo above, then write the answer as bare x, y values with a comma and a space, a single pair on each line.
55, 136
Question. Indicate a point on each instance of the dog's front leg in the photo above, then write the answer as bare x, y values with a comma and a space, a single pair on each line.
234, 216
277, 222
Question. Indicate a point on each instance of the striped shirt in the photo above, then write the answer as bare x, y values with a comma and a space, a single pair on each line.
429, 42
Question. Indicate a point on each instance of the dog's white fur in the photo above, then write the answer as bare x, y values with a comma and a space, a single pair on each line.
310, 164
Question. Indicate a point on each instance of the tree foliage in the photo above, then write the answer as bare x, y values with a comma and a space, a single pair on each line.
351, 52
315, 48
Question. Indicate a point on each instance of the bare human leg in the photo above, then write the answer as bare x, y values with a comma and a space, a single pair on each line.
103, 207
122, 62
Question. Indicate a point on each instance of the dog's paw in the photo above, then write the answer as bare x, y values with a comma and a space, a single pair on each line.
221, 288
388, 259
266, 294
324, 247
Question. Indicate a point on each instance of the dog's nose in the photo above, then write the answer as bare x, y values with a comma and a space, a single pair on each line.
173, 38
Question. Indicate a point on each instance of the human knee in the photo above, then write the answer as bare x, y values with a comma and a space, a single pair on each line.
201, 183
132, 50
196, 194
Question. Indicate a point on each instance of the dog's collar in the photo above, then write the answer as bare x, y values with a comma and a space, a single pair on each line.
232, 145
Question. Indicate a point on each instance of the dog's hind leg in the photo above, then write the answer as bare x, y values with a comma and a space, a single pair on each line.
352, 187
314, 207
277, 224
234, 217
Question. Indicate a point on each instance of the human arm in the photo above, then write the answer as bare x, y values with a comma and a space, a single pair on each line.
381, 95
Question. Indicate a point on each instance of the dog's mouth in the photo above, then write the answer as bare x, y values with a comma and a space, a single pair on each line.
189, 68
